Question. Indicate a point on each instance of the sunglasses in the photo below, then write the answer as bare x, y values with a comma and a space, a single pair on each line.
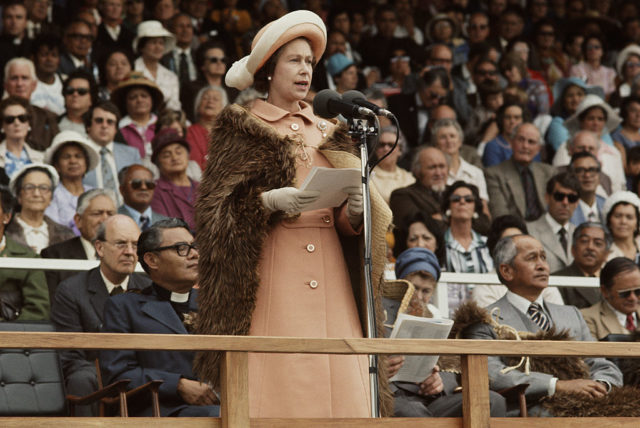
216, 59
136, 184
572, 197
626, 293
79, 91
582, 170
457, 198
23, 118
101, 120
400, 58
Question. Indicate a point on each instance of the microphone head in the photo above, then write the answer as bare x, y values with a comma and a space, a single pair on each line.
321, 103
352, 95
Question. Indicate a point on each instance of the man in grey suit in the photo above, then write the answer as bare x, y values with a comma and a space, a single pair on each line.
553, 228
516, 186
522, 266
136, 187
79, 301
101, 122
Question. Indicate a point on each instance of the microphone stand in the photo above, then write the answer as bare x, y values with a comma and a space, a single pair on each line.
359, 130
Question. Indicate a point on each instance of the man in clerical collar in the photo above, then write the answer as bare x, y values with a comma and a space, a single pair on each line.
168, 253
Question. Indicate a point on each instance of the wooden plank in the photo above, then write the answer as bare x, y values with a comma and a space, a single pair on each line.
49, 340
234, 388
475, 391
358, 423
565, 422
79, 422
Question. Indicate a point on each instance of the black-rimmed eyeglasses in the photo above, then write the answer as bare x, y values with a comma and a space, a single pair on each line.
182, 248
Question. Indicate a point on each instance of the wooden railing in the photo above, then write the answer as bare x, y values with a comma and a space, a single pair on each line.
234, 380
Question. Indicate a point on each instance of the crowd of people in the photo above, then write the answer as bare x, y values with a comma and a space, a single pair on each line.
129, 127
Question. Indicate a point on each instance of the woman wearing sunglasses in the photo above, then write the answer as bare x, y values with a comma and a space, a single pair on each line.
622, 214
14, 150
388, 176
72, 156
467, 250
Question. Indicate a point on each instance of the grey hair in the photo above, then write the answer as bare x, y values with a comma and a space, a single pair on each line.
85, 199
607, 236
201, 92
505, 253
19, 61
517, 129
593, 135
415, 162
402, 141
445, 123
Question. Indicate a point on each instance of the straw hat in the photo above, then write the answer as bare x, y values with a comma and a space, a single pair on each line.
301, 23
25, 169
135, 79
66, 137
441, 17
616, 198
154, 29
613, 120
624, 55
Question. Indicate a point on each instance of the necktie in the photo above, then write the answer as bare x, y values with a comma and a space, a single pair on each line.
144, 222
108, 181
538, 317
117, 290
592, 217
631, 323
563, 239
183, 69
530, 195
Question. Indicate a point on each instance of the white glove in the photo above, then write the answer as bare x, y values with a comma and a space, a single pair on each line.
355, 206
288, 199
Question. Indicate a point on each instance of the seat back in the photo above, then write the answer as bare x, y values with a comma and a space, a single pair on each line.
31, 382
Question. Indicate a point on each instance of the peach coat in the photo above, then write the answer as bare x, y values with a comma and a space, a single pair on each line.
305, 291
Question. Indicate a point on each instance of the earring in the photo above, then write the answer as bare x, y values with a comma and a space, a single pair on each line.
269, 78
475, 215
447, 213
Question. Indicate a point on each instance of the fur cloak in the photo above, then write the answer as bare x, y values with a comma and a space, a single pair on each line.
624, 401
245, 158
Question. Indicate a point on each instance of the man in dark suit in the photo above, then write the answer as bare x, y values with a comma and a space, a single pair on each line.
136, 187
14, 41
79, 301
553, 228
517, 185
111, 33
94, 207
167, 252
77, 40
180, 59
522, 267
590, 247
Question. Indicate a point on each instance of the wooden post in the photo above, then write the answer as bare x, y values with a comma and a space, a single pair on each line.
475, 391
234, 381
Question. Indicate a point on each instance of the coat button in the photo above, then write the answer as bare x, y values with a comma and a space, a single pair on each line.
326, 219
26, 353
295, 126
313, 284
311, 248
33, 382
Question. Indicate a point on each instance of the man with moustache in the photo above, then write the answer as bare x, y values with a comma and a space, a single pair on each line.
522, 266
136, 187
79, 302
168, 253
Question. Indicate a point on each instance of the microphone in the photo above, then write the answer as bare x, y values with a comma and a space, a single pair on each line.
358, 98
328, 104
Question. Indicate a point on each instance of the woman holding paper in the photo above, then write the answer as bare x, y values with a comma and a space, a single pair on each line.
269, 267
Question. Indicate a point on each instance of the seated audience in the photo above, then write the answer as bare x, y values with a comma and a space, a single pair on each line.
15, 152
514, 68
618, 311
20, 81
553, 229
590, 247
435, 396
522, 267
94, 207
46, 60
111, 33
180, 59
78, 305
136, 187
33, 185
23, 291
591, 69
509, 116
466, 250
175, 192
114, 68
208, 104
423, 232
72, 155
587, 170
343, 71
168, 253
517, 185
80, 93
77, 39
387, 175
628, 67
622, 218
627, 136
595, 115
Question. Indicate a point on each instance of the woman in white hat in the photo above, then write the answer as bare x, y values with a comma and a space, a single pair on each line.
72, 156
622, 217
269, 267
152, 43
628, 67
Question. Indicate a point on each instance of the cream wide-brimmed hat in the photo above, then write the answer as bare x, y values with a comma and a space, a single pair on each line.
55, 178
301, 23
69, 137
613, 120
617, 197
154, 29
632, 49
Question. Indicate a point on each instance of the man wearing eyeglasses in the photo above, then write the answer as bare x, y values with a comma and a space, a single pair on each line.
553, 228
78, 305
136, 187
168, 253
619, 310
586, 168
77, 40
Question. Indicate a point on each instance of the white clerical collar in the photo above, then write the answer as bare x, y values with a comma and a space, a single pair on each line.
179, 297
